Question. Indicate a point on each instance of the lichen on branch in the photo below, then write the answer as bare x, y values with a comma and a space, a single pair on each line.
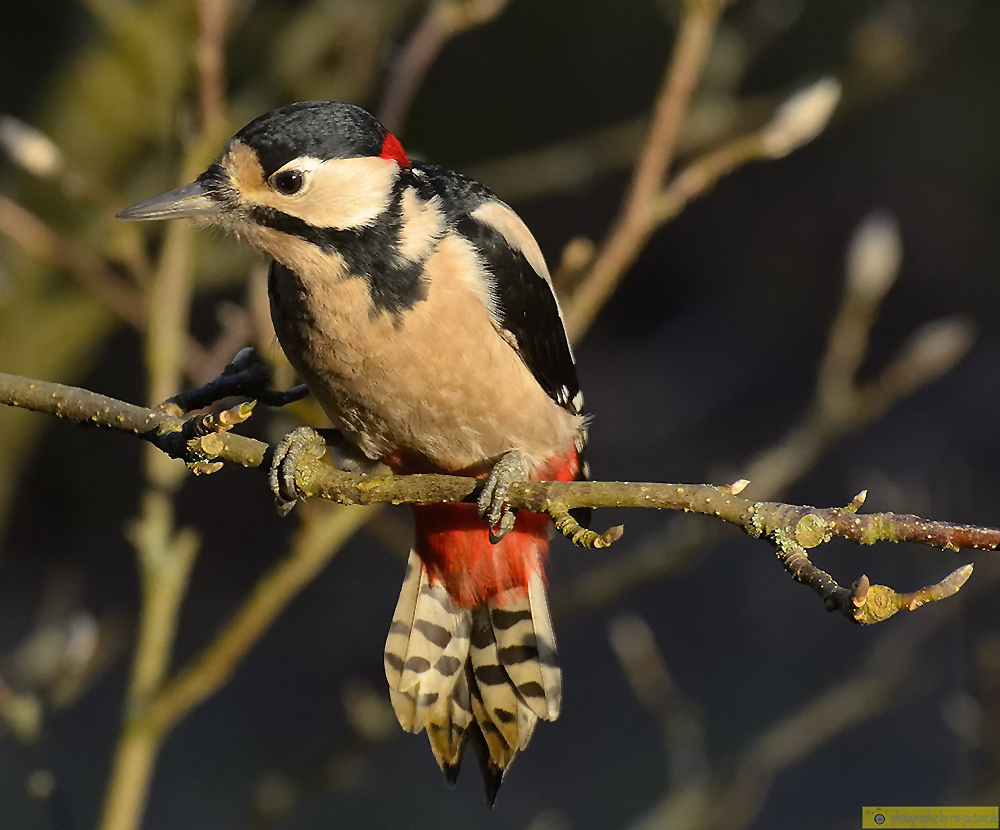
205, 441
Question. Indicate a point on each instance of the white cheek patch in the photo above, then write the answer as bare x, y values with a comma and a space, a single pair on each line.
338, 193
345, 193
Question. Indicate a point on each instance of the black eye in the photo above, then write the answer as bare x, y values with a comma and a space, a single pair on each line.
289, 182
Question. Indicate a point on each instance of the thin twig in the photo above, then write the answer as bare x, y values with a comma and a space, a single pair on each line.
31, 233
636, 221
213, 16
84, 407
842, 405
791, 528
315, 544
733, 797
444, 20
165, 552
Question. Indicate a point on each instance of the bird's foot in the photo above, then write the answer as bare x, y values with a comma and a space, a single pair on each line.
492, 501
298, 444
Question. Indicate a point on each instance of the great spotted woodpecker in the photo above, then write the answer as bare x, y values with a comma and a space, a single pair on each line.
418, 309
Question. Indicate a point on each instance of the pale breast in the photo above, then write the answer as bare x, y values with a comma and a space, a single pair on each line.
436, 381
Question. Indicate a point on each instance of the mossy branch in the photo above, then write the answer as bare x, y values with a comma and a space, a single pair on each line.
204, 442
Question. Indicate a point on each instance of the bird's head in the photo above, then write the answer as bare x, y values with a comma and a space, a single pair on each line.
301, 168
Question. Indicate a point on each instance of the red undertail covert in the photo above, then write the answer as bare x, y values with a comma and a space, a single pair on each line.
454, 544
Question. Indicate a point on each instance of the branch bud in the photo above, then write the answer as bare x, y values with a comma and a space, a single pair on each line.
802, 117
931, 352
29, 148
874, 255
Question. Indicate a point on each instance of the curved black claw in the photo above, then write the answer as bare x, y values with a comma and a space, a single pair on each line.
304, 441
492, 501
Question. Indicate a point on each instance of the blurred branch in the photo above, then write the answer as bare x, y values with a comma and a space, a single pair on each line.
314, 544
165, 553
444, 20
645, 669
796, 122
21, 712
734, 798
32, 234
887, 49
213, 17
842, 404
91, 272
567, 165
635, 222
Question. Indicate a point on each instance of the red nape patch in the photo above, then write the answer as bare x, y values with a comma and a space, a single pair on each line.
393, 151
455, 547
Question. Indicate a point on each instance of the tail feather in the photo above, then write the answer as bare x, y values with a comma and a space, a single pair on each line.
425, 651
526, 645
397, 643
487, 673
500, 699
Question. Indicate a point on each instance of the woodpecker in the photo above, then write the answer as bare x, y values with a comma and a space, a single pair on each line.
418, 309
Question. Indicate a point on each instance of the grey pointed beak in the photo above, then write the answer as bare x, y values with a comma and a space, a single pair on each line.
193, 199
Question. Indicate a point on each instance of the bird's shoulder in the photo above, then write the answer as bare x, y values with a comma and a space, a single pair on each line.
525, 310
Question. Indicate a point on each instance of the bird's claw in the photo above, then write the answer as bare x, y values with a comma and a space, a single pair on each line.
301, 442
492, 502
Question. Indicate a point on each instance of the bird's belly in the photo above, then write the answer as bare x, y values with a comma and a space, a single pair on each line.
436, 386
424, 410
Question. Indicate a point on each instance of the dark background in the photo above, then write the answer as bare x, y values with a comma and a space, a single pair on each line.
706, 355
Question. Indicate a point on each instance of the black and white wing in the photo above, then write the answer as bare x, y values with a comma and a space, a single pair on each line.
525, 308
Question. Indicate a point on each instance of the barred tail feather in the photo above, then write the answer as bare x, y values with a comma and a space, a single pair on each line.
485, 674
425, 656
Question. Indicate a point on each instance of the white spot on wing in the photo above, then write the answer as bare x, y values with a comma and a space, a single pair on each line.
509, 224
423, 226
468, 269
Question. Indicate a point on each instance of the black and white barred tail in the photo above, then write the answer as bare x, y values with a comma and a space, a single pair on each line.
483, 675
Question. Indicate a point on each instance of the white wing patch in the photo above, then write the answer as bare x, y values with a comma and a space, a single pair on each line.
516, 233
422, 227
